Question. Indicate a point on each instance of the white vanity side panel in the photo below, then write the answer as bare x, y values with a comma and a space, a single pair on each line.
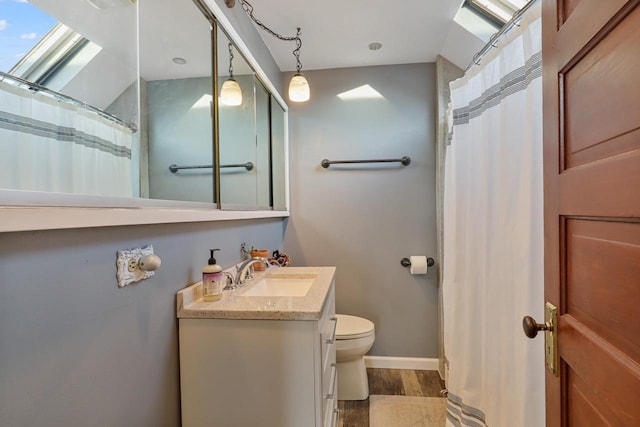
257, 370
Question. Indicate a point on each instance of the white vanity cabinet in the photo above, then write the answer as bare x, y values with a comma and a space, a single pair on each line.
259, 372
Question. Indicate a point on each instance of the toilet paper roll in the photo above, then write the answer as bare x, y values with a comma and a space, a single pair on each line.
418, 264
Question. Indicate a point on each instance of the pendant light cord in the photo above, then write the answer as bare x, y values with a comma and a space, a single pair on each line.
248, 8
230, 60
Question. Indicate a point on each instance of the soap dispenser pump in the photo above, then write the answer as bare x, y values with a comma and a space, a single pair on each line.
212, 279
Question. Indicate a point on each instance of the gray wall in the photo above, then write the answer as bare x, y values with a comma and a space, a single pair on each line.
364, 220
75, 349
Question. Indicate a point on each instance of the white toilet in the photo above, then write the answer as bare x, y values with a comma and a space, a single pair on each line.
354, 338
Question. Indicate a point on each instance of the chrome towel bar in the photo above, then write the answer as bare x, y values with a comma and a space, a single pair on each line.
406, 160
175, 168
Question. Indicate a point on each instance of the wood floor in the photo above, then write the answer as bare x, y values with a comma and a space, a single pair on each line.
402, 382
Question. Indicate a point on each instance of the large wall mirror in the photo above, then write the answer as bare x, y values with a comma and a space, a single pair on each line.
129, 113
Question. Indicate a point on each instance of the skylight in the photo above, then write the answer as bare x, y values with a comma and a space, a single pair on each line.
497, 11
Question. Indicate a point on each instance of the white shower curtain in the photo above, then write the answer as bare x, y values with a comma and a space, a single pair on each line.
493, 236
50, 145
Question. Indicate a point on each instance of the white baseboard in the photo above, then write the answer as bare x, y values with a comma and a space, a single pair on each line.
385, 362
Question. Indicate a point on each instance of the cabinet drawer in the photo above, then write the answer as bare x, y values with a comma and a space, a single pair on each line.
331, 416
328, 338
329, 380
330, 400
328, 357
328, 325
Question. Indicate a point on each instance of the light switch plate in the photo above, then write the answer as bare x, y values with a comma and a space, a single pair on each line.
127, 265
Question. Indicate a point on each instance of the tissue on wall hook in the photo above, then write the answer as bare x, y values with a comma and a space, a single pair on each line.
418, 264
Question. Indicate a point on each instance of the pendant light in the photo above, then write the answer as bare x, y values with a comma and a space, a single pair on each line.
298, 86
231, 93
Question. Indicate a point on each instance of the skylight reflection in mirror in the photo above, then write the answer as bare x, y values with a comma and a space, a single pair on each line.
22, 26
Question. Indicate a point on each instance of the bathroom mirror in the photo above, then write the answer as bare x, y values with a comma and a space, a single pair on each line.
279, 156
149, 130
176, 79
251, 135
243, 126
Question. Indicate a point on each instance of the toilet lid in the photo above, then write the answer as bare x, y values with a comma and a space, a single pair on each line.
350, 327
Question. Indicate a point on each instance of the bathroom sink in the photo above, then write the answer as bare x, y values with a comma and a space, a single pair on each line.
281, 286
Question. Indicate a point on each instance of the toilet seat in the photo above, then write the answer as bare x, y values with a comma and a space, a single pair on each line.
353, 327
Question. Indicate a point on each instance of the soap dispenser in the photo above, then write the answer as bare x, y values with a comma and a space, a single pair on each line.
212, 279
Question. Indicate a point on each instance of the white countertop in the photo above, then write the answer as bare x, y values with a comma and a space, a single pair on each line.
233, 305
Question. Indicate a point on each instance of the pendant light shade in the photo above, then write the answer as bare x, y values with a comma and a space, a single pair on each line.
230, 93
299, 88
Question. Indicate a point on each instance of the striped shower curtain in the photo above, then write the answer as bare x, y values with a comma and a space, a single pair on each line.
493, 236
54, 146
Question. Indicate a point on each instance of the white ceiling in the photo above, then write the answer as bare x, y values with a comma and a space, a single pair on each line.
336, 33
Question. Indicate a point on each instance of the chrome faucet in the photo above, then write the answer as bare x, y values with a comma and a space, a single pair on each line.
244, 273
231, 284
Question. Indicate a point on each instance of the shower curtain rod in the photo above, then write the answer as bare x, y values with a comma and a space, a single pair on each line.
58, 95
494, 38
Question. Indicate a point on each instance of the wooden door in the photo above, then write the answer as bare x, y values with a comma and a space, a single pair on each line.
591, 60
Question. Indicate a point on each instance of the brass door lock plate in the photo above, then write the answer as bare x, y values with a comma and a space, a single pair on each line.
551, 337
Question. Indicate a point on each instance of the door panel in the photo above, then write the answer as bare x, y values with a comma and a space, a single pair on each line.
602, 274
587, 20
612, 378
591, 58
597, 86
579, 406
566, 8
606, 188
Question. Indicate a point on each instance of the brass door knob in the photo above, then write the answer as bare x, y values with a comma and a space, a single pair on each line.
531, 327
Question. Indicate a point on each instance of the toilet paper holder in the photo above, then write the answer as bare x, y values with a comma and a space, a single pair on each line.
406, 262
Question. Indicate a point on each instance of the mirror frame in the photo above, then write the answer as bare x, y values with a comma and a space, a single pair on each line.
35, 210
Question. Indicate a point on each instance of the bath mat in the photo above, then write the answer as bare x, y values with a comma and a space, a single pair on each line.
407, 411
